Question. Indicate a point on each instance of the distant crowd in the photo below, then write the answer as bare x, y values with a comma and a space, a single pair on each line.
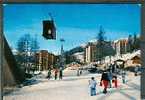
58, 73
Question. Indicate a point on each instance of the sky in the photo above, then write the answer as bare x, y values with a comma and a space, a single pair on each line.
75, 23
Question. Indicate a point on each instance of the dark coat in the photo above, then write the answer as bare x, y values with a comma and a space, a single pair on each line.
105, 76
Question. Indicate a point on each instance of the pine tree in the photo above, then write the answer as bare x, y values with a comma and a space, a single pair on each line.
100, 44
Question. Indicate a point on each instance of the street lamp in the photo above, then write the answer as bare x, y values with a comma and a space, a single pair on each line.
61, 60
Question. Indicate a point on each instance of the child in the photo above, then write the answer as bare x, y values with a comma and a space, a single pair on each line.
115, 80
92, 85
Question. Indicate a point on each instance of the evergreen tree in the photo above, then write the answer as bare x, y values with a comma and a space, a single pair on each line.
100, 44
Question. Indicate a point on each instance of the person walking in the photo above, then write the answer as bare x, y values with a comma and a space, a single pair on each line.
104, 81
123, 77
49, 74
113, 68
92, 85
81, 72
135, 70
78, 72
56, 73
110, 76
60, 74
115, 80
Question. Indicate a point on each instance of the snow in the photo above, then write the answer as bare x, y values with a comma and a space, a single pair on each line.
79, 56
93, 40
79, 53
76, 88
83, 45
14, 51
125, 57
90, 41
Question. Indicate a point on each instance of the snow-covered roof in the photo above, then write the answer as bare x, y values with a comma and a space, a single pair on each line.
93, 41
131, 55
14, 51
124, 57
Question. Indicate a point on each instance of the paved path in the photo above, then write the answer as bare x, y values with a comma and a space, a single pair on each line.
76, 88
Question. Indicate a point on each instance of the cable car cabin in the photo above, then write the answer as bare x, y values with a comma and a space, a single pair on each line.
49, 29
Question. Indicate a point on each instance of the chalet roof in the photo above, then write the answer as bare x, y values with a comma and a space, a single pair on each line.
137, 56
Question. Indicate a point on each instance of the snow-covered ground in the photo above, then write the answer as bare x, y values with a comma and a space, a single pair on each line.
76, 88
